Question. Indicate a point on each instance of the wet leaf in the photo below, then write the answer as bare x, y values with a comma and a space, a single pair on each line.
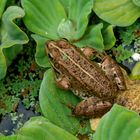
58, 18
117, 12
66, 29
118, 124
52, 101
43, 17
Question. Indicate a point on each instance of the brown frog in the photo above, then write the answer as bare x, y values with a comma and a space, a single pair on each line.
85, 78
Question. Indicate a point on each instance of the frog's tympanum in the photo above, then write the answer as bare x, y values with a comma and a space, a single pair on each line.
74, 71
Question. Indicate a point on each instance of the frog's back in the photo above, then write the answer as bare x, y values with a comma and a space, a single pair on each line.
87, 78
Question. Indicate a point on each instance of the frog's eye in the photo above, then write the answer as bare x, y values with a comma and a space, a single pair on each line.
119, 83
50, 45
54, 53
63, 44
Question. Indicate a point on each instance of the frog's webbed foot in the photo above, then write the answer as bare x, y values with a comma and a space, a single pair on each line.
92, 107
63, 82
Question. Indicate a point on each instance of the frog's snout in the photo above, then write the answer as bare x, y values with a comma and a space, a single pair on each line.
51, 49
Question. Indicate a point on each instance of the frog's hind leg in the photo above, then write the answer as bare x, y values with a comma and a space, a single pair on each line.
92, 107
114, 72
109, 66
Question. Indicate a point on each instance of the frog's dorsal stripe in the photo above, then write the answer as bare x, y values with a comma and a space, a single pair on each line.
76, 64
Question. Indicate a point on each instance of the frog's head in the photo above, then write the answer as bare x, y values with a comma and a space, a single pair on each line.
55, 48
52, 49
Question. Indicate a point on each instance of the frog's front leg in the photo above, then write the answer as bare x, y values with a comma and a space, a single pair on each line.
63, 82
92, 107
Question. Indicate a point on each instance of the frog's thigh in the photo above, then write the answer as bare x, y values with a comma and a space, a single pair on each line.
63, 82
92, 107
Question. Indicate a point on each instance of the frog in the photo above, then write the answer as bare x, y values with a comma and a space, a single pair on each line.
74, 71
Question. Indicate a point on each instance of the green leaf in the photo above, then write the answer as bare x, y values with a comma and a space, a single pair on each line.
13, 137
78, 13
14, 50
39, 128
65, 4
52, 101
92, 38
11, 37
136, 2
41, 56
43, 17
58, 18
135, 74
2, 6
109, 37
66, 29
119, 124
11, 33
117, 12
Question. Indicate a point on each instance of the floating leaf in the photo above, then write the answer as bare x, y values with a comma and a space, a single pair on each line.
66, 29
135, 74
43, 17
119, 124
53, 18
39, 128
78, 13
11, 37
41, 56
92, 38
51, 100
117, 12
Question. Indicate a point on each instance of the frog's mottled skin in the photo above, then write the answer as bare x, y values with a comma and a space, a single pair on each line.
85, 78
